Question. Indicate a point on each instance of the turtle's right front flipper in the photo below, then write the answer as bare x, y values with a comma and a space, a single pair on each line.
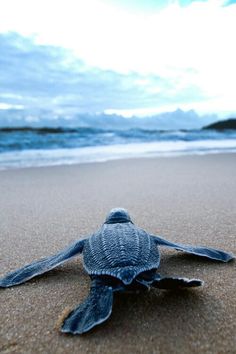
21, 275
96, 309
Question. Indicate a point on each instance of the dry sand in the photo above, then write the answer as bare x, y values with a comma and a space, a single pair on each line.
184, 199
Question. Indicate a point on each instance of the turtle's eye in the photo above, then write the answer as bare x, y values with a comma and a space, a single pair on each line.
117, 215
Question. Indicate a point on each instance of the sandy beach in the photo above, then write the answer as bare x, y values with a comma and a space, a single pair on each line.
189, 199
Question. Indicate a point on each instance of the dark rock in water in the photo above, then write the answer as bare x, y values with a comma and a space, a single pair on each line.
229, 124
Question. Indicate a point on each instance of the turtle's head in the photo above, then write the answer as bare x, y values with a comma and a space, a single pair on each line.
117, 215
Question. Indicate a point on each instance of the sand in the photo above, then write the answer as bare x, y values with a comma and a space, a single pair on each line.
189, 199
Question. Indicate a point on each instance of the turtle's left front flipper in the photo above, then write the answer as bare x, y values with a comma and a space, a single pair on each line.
96, 309
211, 253
34, 269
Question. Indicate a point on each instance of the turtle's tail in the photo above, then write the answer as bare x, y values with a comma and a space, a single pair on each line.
96, 309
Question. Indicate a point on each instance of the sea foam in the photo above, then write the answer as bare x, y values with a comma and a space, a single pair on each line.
101, 153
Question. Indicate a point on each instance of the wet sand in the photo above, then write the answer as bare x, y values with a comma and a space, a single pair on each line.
189, 199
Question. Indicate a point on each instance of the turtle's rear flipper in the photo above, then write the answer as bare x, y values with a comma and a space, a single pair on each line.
175, 283
21, 275
198, 251
94, 310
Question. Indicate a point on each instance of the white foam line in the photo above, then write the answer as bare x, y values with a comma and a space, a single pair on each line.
50, 157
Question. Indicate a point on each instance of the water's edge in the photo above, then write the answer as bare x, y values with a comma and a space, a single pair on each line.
50, 147
56, 157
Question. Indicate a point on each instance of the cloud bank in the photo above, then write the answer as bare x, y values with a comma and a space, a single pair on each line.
127, 57
51, 78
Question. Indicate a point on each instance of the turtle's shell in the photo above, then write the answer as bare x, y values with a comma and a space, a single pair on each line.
121, 250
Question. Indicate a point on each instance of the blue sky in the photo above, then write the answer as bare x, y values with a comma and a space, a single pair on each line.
131, 57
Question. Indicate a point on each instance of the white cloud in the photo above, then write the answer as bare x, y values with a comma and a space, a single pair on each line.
189, 46
50, 78
6, 106
110, 37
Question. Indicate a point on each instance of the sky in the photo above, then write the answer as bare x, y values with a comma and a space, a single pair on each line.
130, 57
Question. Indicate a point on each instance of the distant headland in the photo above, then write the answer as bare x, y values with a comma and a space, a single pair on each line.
229, 124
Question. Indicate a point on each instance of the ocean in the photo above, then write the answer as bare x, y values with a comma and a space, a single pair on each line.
32, 147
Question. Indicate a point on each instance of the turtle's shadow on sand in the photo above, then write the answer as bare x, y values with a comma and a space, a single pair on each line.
187, 261
132, 311
74, 269
156, 310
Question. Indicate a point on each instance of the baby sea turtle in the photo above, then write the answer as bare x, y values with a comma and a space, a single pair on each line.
118, 257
